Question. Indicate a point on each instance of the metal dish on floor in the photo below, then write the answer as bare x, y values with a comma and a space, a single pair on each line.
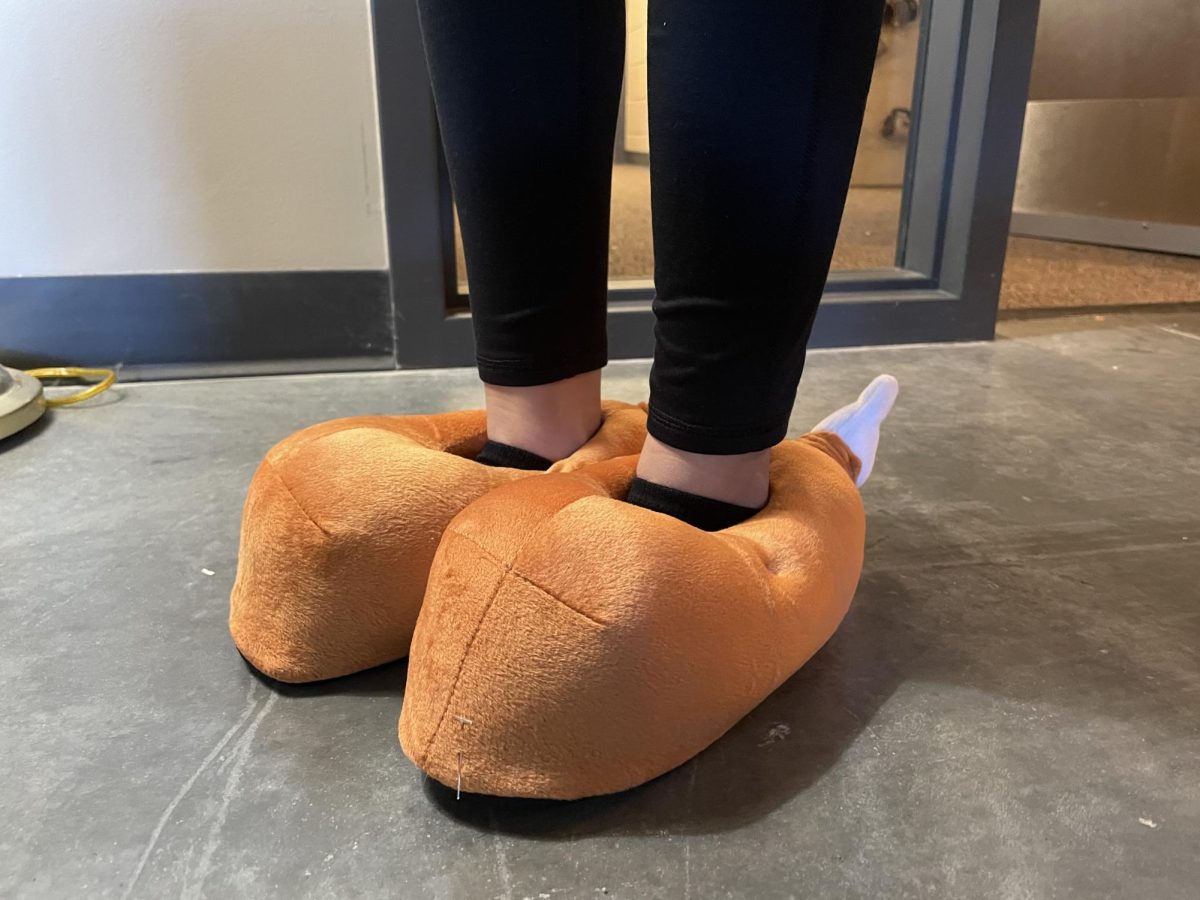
21, 401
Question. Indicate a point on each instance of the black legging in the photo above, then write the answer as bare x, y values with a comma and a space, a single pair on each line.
755, 111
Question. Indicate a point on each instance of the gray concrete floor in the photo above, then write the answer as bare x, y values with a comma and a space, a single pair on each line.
1012, 708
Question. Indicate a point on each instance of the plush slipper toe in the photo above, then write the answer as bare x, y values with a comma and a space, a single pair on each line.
340, 526
572, 644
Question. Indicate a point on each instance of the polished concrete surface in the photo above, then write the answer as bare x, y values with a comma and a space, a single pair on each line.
1012, 708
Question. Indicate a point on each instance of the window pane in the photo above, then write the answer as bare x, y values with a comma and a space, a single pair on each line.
871, 223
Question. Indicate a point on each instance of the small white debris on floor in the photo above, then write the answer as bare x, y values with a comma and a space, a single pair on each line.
1149, 823
776, 733
208, 572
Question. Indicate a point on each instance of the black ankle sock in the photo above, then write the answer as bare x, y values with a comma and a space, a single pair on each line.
496, 454
701, 512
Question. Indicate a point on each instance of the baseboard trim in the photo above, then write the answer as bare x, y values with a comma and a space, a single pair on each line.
1157, 237
193, 324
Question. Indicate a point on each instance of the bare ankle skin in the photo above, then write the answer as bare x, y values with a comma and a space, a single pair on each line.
743, 478
552, 420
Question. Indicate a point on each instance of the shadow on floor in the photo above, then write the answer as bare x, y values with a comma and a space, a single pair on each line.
382, 681
27, 434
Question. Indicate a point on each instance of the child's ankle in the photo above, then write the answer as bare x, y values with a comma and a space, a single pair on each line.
552, 420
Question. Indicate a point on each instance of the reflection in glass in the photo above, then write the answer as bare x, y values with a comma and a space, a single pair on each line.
867, 239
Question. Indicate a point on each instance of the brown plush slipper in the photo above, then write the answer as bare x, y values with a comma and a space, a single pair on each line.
572, 644
341, 524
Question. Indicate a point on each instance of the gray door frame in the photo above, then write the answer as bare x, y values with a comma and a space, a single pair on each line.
968, 113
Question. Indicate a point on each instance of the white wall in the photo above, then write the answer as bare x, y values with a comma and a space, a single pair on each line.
187, 135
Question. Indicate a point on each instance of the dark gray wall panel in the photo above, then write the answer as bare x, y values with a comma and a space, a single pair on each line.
200, 323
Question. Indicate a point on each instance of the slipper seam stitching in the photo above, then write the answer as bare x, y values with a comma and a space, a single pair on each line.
299, 505
509, 569
505, 571
559, 600
463, 661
